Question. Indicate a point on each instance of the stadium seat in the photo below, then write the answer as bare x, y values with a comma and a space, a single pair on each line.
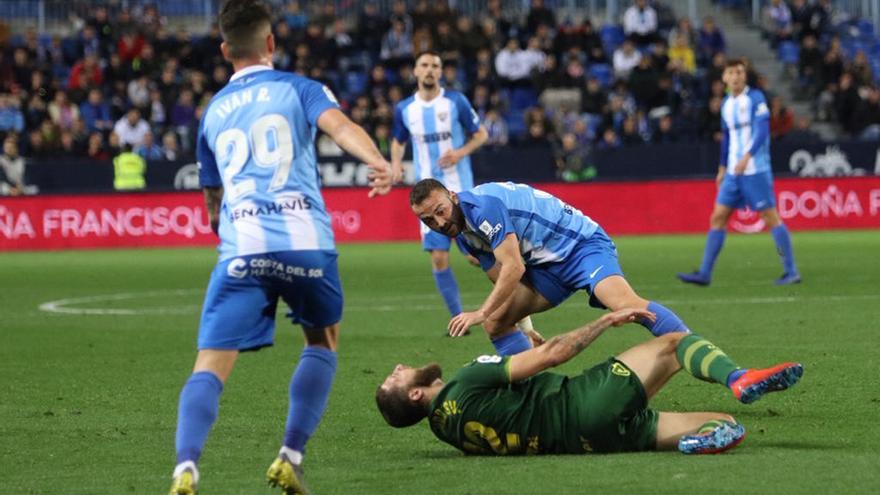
603, 73
866, 28
522, 98
516, 123
789, 52
612, 36
355, 82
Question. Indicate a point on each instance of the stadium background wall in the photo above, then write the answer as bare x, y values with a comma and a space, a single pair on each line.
653, 207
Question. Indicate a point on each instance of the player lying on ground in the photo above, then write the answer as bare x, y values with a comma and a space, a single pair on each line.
537, 250
506, 405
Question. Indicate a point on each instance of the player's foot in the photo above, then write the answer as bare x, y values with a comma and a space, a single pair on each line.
695, 278
788, 279
185, 478
286, 475
753, 384
723, 437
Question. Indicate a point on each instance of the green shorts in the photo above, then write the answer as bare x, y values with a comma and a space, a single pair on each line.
608, 410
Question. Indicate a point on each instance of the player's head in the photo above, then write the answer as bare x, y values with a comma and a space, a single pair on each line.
437, 207
403, 397
427, 69
246, 27
735, 74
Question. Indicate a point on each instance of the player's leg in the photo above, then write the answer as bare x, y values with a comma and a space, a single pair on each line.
437, 245
760, 197
238, 313
614, 292
524, 324
316, 303
714, 242
698, 432
501, 325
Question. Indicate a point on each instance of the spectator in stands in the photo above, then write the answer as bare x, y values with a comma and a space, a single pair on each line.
12, 168
62, 111
471, 39
503, 25
643, 82
449, 78
860, 68
398, 11
156, 109
683, 27
131, 128
36, 145
866, 117
711, 40
129, 46
382, 138
89, 43
321, 48
496, 127
800, 18
11, 118
296, 18
396, 45
779, 24
96, 112
68, 146
128, 170
423, 39
138, 91
95, 149
446, 43
626, 57
845, 102
781, 118
610, 139
182, 115
343, 45
511, 65
572, 160
710, 121
85, 70
148, 149
681, 56
640, 23
665, 131
660, 56
37, 111
802, 133
820, 18
629, 132
170, 148
574, 75
539, 15
810, 62
593, 97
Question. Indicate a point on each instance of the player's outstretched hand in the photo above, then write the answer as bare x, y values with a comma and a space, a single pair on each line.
380, 178
629, 315
460, 323
450, 158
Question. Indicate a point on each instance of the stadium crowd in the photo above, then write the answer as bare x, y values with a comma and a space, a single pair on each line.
126, 80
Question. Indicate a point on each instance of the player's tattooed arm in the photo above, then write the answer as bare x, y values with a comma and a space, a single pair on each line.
563, 347
213, 198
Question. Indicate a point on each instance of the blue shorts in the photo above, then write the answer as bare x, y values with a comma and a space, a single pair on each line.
754, 191
242, 295
589, 263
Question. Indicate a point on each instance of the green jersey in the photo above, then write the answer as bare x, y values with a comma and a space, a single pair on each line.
480, 411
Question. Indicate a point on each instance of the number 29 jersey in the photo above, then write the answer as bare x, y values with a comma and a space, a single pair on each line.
256, 141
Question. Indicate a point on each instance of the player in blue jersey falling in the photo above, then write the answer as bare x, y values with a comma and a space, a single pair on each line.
257, 167
745, 177
537, 250
438, 122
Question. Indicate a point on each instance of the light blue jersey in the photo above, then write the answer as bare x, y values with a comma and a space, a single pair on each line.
436, 127
745, 121
256, 140
548, 229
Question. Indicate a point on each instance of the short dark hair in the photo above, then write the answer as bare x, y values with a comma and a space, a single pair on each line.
427, 52
397, 409
733, 62
423, 189
240, 24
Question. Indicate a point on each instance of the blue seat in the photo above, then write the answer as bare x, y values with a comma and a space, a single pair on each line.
789, 52
516, 123
522, 98
866, 28
355, 82
603, 74
612, 36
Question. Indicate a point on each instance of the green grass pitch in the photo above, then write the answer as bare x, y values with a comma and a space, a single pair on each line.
88, 392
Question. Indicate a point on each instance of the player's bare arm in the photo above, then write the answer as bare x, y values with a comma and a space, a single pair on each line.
397, 151
511, 269
562, 348
353, 139
453, 156
720, 176
213, 198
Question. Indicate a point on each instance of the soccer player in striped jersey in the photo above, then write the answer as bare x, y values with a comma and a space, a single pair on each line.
537, 250
258, 169
745, 177
444, 130
508, 405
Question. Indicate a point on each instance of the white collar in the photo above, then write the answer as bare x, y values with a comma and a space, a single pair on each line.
432, 100
250, 69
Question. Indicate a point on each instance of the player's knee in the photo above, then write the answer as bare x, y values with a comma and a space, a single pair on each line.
322, 337
439, 260
494, 328
726, 417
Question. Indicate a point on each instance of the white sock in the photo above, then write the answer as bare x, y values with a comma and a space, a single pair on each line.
525, 324
184, 466
295, 456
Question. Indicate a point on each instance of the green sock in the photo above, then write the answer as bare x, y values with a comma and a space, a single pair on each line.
703, 360
709, 426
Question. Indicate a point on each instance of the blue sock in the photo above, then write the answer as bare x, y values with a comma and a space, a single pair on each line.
666, 322
714, 243
734, 376
783, 247
309, 390
196, 413
448, 288
512, 343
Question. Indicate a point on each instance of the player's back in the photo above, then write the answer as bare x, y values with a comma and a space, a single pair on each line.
547, 227
257, 141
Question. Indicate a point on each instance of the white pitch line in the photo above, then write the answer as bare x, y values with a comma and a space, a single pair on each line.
62, 306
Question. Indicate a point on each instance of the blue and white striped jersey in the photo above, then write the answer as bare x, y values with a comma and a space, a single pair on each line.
436, 127
547, 228
256, 140
745, 120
